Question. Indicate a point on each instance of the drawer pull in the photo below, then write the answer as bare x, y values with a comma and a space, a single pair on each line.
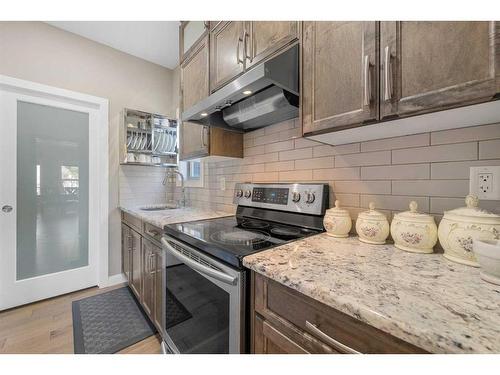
330, 341
152, 233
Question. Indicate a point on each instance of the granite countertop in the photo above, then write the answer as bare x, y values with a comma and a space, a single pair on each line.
173, 215
424, 299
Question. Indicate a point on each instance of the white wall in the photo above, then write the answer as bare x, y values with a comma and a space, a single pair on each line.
38, 52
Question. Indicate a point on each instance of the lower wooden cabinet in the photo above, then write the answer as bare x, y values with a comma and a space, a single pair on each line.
286, 321
143, 265
159, 289
148, 280
126, 250
135, 279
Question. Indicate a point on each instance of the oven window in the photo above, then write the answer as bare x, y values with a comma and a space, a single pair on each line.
197, 312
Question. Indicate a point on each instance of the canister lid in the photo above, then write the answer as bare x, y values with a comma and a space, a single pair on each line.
472, 213
337, 211
413, 215
372, 214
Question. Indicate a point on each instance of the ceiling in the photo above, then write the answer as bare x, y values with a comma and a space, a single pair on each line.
154, 41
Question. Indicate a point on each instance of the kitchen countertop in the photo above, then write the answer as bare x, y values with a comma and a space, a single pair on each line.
174, 215
424, 299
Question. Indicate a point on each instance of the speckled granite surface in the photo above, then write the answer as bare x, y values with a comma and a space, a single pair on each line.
424, 299
170, 216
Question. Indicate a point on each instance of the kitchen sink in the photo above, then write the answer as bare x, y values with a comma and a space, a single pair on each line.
159, 207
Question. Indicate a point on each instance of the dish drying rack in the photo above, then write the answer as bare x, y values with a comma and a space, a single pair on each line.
149, 139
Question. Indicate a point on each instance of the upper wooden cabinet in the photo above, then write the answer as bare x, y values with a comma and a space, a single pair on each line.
190, 33
236, 46
197, 141
363, 72
201, 141
340, 74
428, 66
227, 58
264, 38
195, 74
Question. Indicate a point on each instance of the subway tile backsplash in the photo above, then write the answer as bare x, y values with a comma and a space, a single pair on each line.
430, 168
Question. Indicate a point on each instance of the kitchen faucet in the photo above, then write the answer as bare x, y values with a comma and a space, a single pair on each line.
171, 172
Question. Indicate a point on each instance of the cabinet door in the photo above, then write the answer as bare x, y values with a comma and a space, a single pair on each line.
226, 53
340, 75
190, 33
135, 280
159, 289
429, 66
126, 250
194, 75
269, 340
194, 140
148, 269
264, 38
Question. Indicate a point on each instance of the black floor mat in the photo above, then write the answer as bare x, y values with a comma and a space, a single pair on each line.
176, 312
109, 322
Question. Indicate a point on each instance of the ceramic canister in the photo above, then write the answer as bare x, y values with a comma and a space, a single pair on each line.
337, 221
459, 227
372, 226
414, 231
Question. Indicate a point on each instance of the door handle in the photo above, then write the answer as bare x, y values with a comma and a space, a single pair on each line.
7, 208
200, 267
368, 83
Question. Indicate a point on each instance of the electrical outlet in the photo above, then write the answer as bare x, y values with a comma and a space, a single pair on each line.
485, 182
222, 183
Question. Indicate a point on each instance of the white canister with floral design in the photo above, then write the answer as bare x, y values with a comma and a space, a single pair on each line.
459, 227
414, 231
372, 226
337, 221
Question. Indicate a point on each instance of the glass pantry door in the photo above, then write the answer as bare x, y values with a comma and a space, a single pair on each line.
44, 198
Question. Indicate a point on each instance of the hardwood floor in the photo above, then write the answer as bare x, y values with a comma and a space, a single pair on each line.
47, 327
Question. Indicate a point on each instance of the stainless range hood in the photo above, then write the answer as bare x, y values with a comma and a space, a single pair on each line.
265, 95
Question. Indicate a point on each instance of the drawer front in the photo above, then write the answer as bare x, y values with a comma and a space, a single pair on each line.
338, 330
153, 233
132, 221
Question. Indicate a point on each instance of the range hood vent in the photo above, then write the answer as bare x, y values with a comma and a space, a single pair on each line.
265, 95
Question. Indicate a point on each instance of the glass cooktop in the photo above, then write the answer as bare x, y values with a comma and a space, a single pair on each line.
232, 238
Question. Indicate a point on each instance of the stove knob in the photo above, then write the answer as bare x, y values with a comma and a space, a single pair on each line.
310, 197
295, 196
248, 194
239, 193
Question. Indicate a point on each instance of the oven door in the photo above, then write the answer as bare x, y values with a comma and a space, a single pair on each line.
204, 302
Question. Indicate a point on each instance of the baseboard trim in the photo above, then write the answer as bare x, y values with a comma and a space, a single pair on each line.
114, 280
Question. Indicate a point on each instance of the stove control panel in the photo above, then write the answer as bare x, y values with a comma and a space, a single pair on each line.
304, 198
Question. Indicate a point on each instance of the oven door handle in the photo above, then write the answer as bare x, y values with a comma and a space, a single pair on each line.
221, 276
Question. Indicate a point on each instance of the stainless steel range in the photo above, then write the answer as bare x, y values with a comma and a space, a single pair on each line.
206, 283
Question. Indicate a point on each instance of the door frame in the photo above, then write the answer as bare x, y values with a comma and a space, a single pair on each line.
98, 111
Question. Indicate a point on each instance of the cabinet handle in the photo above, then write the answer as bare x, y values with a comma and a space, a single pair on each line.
246, 37
329, 340
387, 74
151, 267
204, 131
238, 60
131, 243
206, 24
368, 85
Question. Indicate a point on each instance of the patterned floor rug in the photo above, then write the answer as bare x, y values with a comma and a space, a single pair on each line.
109, 322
